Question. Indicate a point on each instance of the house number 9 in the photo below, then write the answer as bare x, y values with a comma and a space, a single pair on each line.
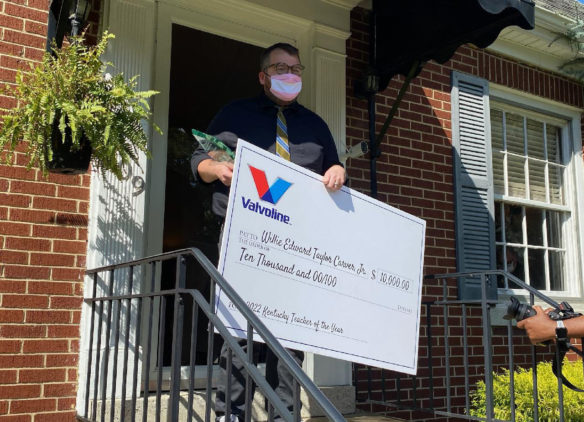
139, 185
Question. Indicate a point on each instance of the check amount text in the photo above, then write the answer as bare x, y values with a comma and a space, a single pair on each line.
259, 259
390, 280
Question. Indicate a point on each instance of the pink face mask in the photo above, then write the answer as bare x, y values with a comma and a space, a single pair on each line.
285, 87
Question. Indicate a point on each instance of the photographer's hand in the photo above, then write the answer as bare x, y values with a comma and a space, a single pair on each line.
539, 327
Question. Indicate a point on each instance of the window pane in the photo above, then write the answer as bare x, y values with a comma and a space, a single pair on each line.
534, 219
556, 182
513, 224
497, 151
498, 172
556, 270
537, 180
514, 262
516, 172
537, 268
514, 127
500, 266
498, 228
497, 130
554, 229
553, 144
535, 141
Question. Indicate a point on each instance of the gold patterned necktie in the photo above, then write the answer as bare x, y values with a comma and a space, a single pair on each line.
282, 147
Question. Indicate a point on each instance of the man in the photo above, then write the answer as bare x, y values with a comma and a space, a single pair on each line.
541, 327
276, 122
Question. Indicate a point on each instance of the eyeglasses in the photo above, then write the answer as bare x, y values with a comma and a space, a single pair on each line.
282, 68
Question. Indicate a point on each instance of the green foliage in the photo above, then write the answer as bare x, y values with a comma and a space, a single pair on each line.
70, 86
575, 36
547, 386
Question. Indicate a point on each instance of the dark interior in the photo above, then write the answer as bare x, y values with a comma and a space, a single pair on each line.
206, 72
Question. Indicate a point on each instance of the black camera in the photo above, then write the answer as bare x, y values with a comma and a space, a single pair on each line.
520, 311
517, 310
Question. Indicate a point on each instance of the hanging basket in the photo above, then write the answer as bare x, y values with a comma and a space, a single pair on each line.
67, 157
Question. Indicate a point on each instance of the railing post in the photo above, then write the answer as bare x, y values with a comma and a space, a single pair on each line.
97, 361
248, 380
108, 324
149, 343
177, 332
210, 348
176, 360
160, 365
90, 353
369, 383
511, 370
117, 305
560, 384
127, 341
489, 411
193, 358
465, 360
534, 374
137, 337
446, 345
430, 357
228, 384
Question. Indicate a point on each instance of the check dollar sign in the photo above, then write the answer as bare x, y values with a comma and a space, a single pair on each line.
372, 274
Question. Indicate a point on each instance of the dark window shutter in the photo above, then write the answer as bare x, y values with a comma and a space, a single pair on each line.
473, 183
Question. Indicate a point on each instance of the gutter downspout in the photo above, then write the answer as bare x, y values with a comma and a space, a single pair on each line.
373, 150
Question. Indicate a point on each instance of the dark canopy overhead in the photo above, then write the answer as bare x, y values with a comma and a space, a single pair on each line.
406, 31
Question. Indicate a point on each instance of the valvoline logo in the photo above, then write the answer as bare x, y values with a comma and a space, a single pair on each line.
271, 194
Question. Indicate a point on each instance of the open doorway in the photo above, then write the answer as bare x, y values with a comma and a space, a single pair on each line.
207, 71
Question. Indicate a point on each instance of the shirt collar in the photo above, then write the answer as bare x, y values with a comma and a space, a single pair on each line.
265, 102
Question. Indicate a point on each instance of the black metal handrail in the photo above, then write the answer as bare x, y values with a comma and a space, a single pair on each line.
420, 391
110, 305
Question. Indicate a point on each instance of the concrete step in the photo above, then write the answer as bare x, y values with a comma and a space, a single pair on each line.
359, 417
342, 397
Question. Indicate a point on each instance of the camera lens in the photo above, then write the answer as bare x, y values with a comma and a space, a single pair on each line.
517, 310
524, 311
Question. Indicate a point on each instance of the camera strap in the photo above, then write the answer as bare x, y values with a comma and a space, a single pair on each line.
563, 344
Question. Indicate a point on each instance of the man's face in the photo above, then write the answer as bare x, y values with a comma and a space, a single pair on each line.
276, 56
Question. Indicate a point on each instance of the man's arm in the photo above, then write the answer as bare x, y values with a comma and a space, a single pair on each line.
541, 327
210, 170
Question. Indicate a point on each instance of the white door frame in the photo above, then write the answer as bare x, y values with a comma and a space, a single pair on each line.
322, 50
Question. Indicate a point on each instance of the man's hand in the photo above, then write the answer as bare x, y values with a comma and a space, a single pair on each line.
211, 170
334, 178
539, 327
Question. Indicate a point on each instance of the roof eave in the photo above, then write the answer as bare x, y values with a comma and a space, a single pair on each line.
543, 46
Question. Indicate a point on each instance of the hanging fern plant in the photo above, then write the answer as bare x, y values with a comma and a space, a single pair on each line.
68, 99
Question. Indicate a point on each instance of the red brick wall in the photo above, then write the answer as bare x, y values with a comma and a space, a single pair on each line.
43, 241
415, 174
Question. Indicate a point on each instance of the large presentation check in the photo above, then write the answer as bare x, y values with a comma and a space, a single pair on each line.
338, 274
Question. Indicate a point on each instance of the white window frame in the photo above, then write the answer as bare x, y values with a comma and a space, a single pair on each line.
568, 118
